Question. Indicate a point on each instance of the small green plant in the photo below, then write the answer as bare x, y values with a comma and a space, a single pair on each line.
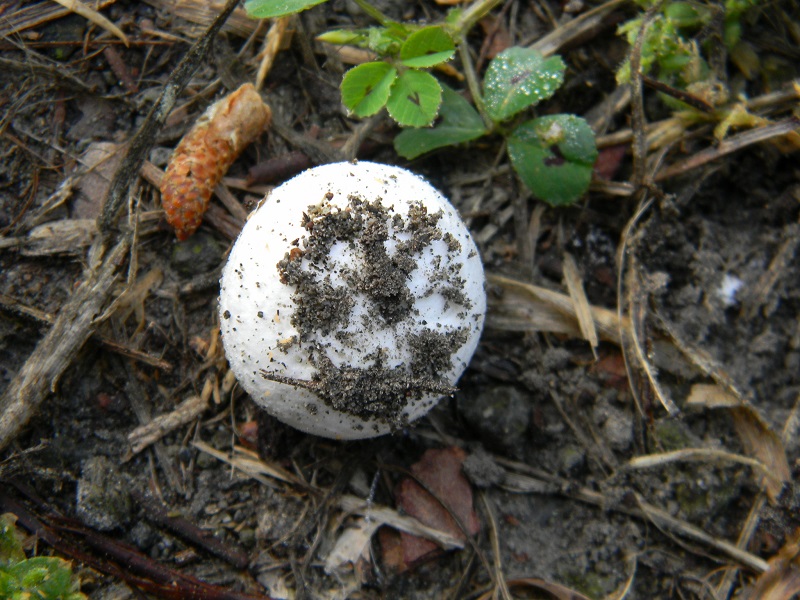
668, 47
410, 93
553, 155
400, 81
38, 578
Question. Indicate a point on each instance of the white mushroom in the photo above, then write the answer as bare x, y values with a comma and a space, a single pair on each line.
352, 300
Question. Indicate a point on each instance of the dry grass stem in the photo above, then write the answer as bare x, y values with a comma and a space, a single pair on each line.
497, 572
753, 431
755, 297
95, 17
31, 15
533, 308
528, 480
272, 45
251, 465
574, 28
696, 454
732, 144
388, 516
636, 357
583, 310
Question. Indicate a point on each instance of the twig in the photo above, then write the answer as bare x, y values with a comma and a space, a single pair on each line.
537, 481
561, 36
41, 317
732, 144
149, 433
499, 577
154, 511
119, 561
56, 350
76, 323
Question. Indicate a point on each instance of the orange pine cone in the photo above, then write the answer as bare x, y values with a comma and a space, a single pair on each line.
206, 153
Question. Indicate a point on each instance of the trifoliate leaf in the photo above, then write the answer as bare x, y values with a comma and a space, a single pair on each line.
459, 123
414, 99
518, 78
365, 88
267, 9
427, 47
554, 157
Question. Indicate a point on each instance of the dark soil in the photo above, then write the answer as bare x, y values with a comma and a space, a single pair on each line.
711, 286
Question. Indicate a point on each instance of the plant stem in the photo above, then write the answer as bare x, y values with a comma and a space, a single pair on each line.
374, 12
474, 88
473, 14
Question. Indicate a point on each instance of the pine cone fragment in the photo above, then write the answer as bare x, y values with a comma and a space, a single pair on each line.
206, 153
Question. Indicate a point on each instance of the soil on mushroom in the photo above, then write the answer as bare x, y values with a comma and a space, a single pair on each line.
374, 391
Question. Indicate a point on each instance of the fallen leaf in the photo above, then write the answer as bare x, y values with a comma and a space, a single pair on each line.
440, 471
758, 439
782, 580
101, 160
609, 161
351, 546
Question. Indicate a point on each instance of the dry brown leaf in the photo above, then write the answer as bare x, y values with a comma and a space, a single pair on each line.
440, 471
101, 160
782, 579
755, 434
351, 546
500, 36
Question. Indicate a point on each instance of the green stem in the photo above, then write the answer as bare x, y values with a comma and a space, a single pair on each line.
374, 12
473, 14
474, 88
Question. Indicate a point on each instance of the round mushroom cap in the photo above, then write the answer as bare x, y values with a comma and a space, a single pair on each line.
352, 300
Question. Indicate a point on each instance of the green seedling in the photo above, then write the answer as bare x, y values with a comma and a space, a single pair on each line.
410, 94
553, 155
400, 81
41, 577
669, 49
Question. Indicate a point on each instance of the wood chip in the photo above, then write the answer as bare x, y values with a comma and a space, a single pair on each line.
186, 412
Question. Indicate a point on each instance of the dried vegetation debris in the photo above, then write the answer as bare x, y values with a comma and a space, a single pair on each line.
743, 223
